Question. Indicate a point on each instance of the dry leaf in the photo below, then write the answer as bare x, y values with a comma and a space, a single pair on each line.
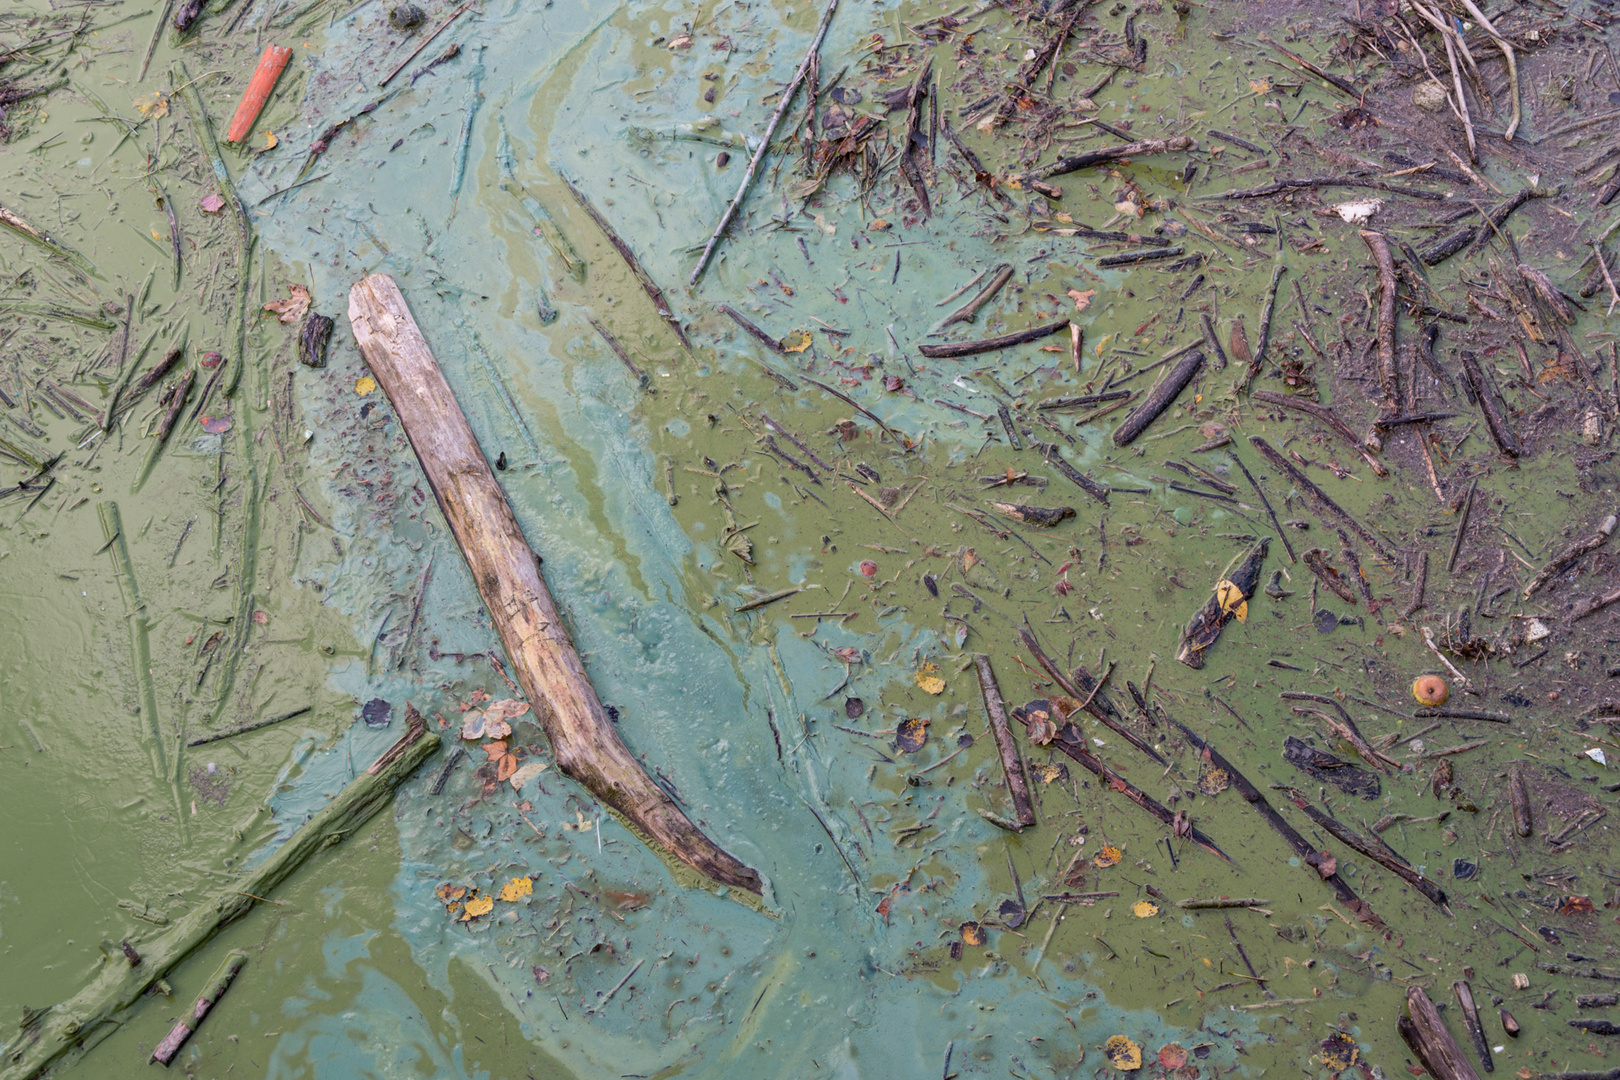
1144, 909
294, 308
1173, 1056
579, 824
1122, 1053
212, 204
797, 341
525, 774
505, 767
911, 734
1231, 599
1339, 1052
478, 905
517, 889
929, 680
1108, 856
270, 140
154, 107
972, 933
364, 385
1082, 300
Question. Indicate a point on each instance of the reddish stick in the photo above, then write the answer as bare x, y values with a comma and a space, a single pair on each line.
271, 65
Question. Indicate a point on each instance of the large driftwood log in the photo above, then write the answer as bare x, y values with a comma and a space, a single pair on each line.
507, 572
94, 1012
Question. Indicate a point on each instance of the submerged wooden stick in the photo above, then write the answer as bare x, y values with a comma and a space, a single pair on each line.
235, 960
507, 572
89, 1016
996, 709
764, 143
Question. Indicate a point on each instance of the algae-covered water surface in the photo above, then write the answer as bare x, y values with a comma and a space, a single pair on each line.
1223, 395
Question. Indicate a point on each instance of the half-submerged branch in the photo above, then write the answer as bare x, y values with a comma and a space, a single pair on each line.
89, 1016
507, 572
1011, 762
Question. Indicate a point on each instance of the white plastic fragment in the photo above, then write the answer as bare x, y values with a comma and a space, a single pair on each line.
1598, 756
1358, 211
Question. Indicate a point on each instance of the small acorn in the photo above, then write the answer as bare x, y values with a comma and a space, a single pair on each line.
1430, 690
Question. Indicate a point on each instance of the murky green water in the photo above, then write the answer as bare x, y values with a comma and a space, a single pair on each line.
615, 965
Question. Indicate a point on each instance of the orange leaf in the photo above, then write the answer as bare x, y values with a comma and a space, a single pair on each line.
506, 767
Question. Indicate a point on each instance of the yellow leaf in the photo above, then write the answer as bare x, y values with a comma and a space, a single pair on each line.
1142, 909
517, 889
270, 140
1108, 856
1260, 86
158, 238
478, 905
878, 225
364, 385
1232, 601
929, 680
1122, 1053
797, 341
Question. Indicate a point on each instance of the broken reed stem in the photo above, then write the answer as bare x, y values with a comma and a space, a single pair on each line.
112, 527
764, 144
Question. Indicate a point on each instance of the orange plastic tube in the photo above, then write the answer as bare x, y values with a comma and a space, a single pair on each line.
271, 65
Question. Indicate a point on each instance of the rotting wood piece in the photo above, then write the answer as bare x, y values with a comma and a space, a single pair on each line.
1054, 458
1561, 561
1431, 1041
1490, 403
1324, 767
1389, 374
1290, 835
507, 572
1140, 148
1044, 516
1072, 743
1011, 763
1374, 849
1328, 417
1159, 399
1470, 1015
75, 1025
182, 1031
1228, 600
1321, 500
1001, 341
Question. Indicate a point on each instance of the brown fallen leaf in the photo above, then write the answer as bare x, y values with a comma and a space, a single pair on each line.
294, 308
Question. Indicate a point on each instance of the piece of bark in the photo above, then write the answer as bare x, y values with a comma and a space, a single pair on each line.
967, 311
1204, 628
1432, 1040
507, 572
1158, 399
1011, 763
1034, 515
1490, 403
221, 981
1389, 375
1322, 766
313, 338
1519, 798
97, 1010
1596, 1027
